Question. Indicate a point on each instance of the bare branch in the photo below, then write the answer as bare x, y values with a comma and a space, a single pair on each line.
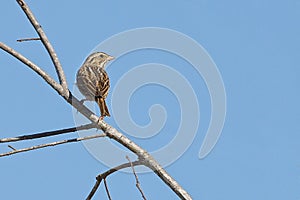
102, 176
34, 67
27, 39
110, 131
136, 178
106, 189
52, 144
48, 46
48, 133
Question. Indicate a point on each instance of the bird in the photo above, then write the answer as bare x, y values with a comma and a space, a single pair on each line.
93, 82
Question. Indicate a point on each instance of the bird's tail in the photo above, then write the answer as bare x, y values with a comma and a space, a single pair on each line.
103, 108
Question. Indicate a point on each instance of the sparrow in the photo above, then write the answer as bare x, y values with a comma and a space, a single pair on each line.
93, 81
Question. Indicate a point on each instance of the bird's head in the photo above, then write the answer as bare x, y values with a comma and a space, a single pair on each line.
98, 58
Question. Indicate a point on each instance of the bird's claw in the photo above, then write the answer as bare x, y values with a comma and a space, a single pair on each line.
100, 118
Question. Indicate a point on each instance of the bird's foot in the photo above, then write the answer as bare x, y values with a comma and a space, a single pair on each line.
100, 119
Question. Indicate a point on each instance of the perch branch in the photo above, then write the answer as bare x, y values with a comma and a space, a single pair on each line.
104, 175
47, 44
48, 133
51, 144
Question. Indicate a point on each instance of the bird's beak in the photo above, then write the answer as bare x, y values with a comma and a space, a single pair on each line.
110, 58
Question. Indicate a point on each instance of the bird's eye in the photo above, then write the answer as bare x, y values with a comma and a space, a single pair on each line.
101, 56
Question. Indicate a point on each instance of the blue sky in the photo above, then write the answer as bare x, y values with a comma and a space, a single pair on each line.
256, 47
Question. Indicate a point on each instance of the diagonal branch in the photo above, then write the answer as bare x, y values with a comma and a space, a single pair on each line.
51, 144
47, 134
47, 44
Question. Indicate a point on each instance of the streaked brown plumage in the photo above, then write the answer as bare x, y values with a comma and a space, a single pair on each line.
93, 81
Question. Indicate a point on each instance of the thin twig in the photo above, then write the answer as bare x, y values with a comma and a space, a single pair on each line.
94, 189
12, 147
27, 39
48, 133
48, 46
137, 184
106, 189
52, 144
102, 176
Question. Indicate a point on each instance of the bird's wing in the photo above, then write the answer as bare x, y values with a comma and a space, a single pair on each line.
90, 87
86, 83
102, 85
